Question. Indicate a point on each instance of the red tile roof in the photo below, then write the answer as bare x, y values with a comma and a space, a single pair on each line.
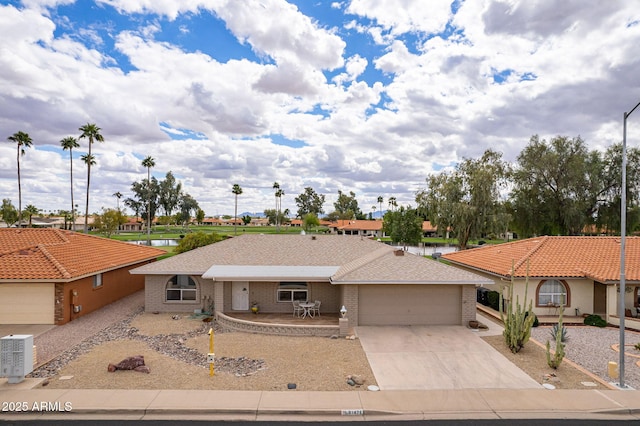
597, 258
59, 255
364, 225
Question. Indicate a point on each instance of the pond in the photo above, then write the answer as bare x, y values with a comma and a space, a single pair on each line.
156, 243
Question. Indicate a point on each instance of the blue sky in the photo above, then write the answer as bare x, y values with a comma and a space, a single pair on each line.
363, 96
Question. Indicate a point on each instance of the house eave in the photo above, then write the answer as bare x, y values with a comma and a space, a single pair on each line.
401, 282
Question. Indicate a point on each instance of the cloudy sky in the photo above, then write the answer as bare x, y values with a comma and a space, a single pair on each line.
369, 96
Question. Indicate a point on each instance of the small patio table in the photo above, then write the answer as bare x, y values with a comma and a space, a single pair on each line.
307, 309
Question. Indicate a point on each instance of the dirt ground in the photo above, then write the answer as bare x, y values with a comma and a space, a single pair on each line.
532, 359
311, 363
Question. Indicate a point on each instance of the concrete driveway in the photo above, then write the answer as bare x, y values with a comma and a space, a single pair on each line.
437, 357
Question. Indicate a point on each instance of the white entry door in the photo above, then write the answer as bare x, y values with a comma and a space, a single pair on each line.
240, 295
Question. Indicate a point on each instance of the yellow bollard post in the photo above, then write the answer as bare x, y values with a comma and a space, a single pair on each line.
211, 356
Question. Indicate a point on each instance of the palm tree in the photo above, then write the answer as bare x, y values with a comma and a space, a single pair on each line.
148, 162
118, 195
91, 132
393, 203
237, 191
31, 210
276, 186
380, 200
374, 211
279, 194
69, 143
24, 141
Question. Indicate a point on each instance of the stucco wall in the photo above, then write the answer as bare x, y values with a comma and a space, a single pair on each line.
265, 294
155, 295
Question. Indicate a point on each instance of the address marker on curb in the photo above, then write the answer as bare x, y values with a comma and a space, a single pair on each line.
354, 412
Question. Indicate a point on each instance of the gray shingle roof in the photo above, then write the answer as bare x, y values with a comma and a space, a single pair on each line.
356, 260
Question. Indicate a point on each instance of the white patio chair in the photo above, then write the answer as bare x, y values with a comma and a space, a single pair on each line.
316, 308
297, 309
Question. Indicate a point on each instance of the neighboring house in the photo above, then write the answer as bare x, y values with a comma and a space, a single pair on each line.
367, 228
580, 273
133, 224
429, 230
212, 221
52, 276
376, 283
259, 221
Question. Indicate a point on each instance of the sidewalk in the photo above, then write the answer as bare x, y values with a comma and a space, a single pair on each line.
307, 406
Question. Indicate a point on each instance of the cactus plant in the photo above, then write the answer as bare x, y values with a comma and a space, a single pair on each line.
555, 361
517, 320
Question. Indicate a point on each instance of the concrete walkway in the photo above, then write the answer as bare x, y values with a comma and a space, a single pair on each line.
306, 406
437, 357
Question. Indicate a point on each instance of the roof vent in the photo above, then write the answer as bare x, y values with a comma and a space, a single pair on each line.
398, 252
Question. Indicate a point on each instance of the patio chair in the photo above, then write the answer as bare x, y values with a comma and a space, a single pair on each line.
297, 309
316, 308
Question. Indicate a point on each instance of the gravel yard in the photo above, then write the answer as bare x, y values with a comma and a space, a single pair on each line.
593, 347
175, 352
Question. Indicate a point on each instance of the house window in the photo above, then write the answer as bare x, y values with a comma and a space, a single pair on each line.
288, 292
181, 288
552, 293
97, 281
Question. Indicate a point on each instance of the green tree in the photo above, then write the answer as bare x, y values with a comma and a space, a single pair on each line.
246, 219
170, 192
404, 226
109, 221
149, 162
309, 221
22, 140
236, 190
467, 200
9, 212
309, 202
200, 215
347, 206
69, 143
30, 211
187, 205
195, 240
273, 215
92, 133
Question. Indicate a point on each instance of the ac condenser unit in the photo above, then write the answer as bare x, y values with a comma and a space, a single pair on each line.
16, 357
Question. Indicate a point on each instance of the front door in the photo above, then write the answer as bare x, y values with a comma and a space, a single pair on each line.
240, 295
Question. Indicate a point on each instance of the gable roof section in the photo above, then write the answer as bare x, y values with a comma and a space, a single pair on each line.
32, 254
340, 259
597, 258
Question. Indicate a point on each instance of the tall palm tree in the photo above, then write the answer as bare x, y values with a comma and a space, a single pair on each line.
89, 160
380, 200
148, 162
91, 132
31, 210
237, 191
118, 195
276, 186
24, 141
393, 203
69, 143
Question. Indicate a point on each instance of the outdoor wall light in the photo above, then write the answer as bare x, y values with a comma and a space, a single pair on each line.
343, 311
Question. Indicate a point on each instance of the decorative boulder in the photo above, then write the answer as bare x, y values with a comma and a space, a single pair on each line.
135, 363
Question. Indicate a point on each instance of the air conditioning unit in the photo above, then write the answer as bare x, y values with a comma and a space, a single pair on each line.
16, 357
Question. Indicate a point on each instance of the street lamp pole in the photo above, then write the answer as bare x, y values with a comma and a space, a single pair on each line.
623, 232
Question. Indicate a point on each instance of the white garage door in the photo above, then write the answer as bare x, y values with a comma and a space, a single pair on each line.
410, 305
27, 303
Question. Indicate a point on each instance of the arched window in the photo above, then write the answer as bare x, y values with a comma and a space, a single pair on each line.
181, 288
552, 293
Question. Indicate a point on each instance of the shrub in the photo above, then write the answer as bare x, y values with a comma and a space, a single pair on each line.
557, 331
195, 240
637, 346
493, 298
595, 320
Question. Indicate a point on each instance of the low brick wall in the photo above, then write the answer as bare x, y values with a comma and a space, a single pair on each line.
276, 329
